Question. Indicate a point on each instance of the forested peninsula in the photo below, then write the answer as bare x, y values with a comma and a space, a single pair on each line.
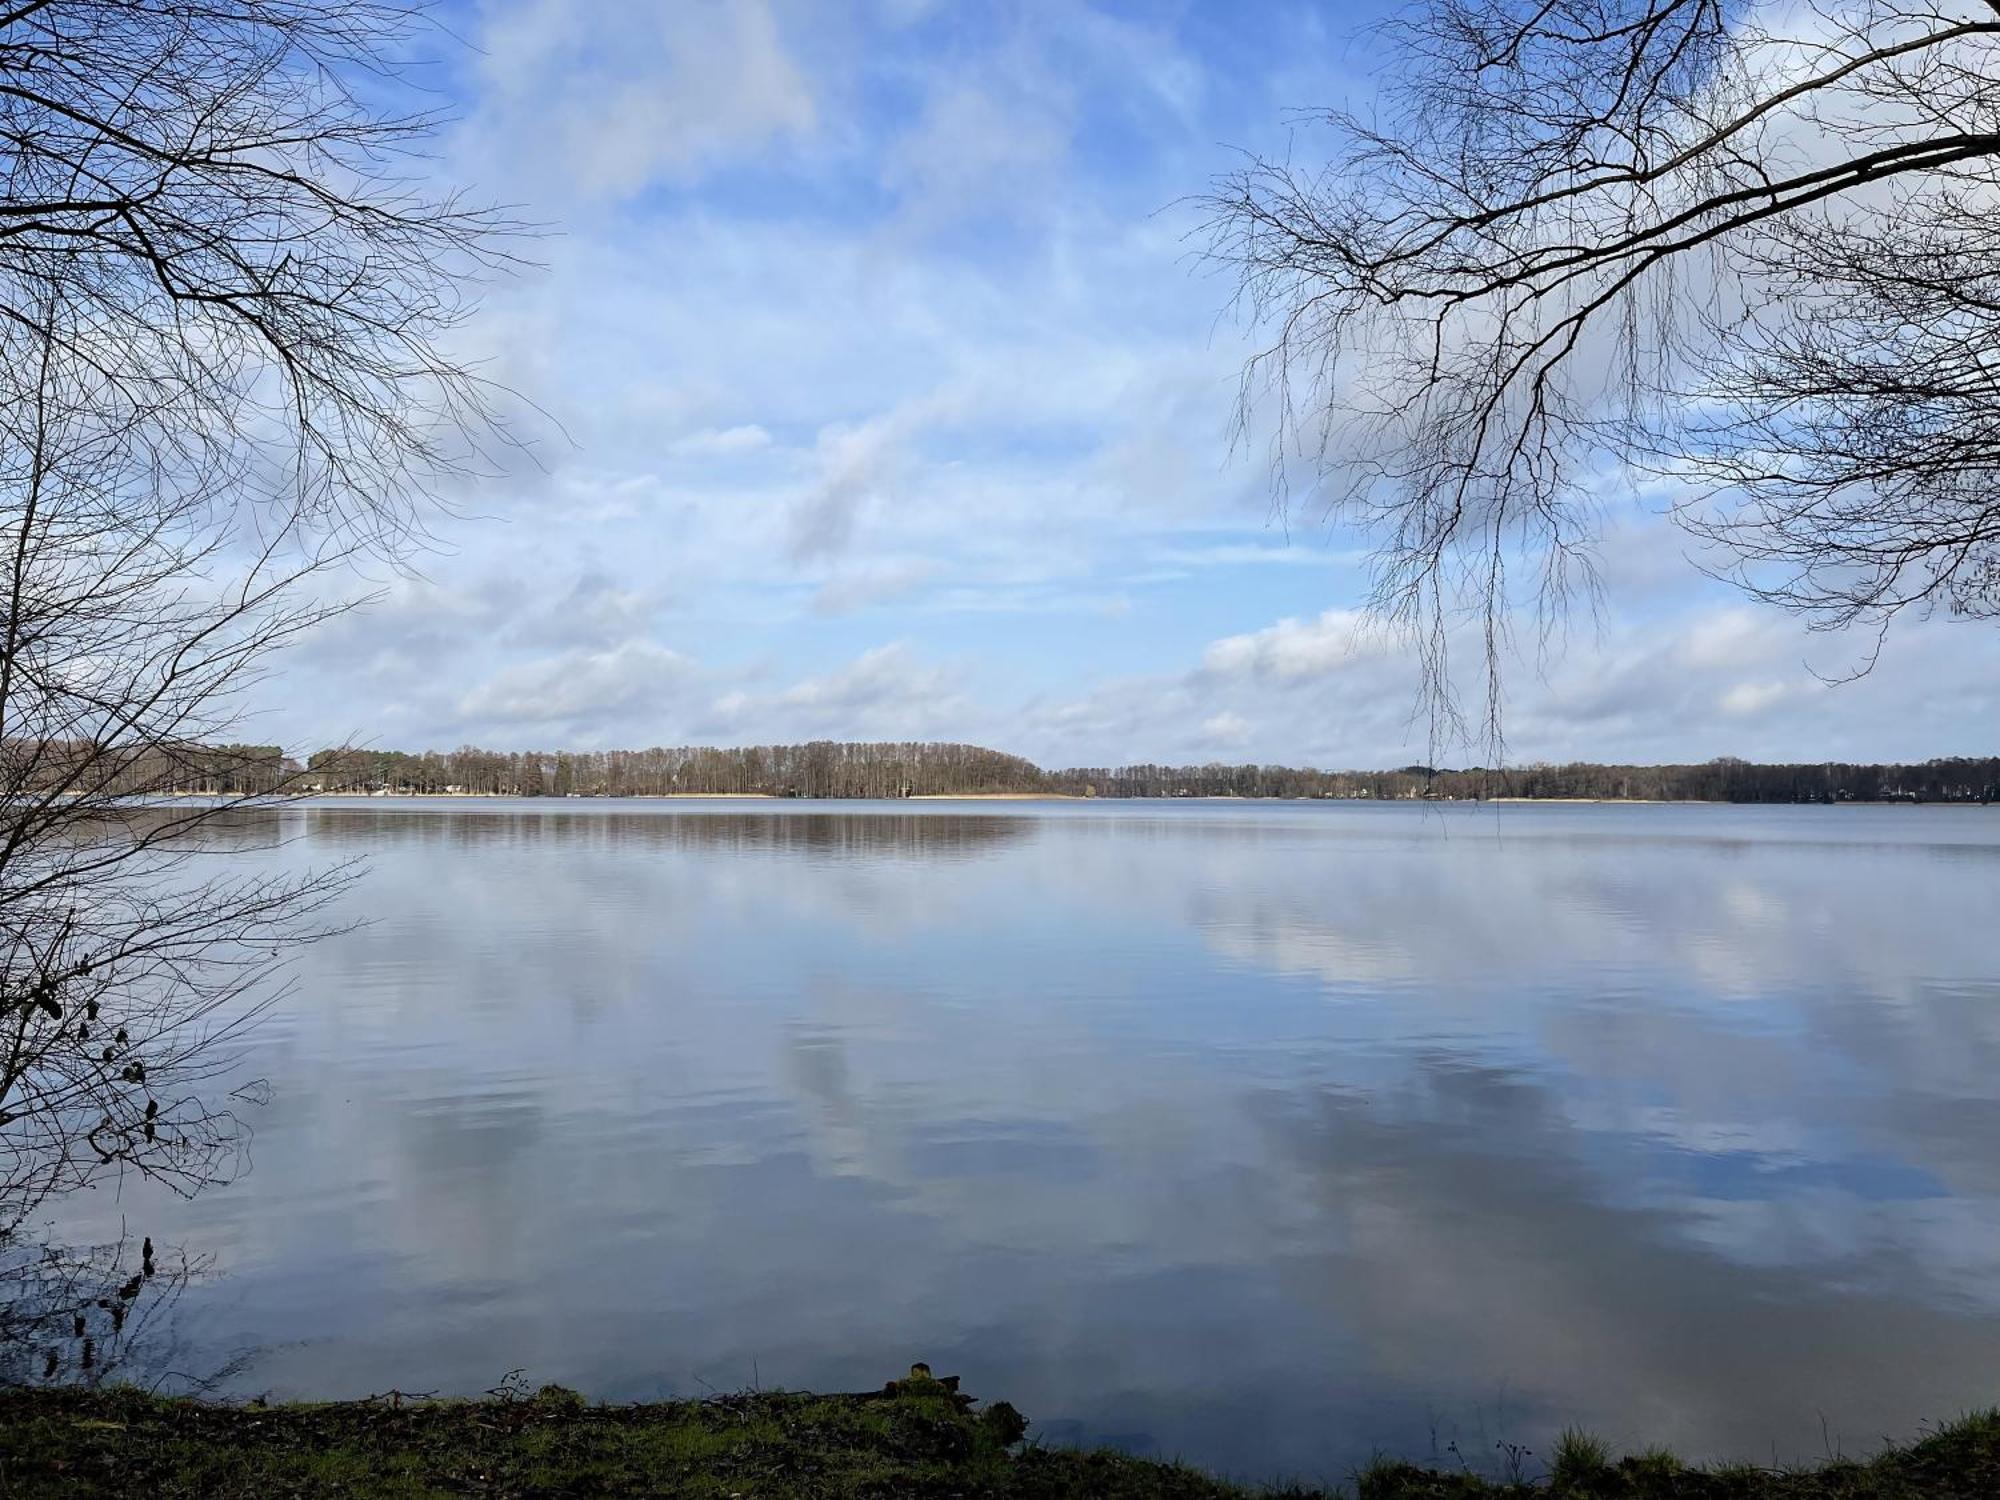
896, 769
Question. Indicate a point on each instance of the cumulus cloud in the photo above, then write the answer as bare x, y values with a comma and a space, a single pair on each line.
887, 692
598, 612
885, 685
857, 466
1294, 649
583, 689
1743, 699
1337, 691
1227, 729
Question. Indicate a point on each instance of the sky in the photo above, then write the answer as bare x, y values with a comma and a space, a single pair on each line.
887, 397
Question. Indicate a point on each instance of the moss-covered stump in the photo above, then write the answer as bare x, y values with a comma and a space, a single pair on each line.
918, 1437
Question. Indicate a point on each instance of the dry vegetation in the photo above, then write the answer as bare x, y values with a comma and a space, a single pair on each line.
917, 1437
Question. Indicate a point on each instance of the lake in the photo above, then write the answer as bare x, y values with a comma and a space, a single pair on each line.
1266, 1135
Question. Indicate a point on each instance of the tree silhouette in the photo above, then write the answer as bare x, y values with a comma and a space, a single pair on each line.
225, 301
1753, 251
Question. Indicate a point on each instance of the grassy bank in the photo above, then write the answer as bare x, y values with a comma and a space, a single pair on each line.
916, 1438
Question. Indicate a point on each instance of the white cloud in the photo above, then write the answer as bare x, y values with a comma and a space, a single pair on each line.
858, 466
978, 153
887, 692
874, 583
596, 612
723, 442
1337, 692
581, 690
887, 674
596, 99
1295, 649
1725, 638
1227, 729
1746, 698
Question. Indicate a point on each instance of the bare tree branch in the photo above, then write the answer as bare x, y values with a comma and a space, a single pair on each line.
1586, 242
226, 307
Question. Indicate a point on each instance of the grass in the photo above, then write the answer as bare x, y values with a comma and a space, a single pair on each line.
916, 1438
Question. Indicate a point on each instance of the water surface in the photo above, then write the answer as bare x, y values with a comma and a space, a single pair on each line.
1267, 1135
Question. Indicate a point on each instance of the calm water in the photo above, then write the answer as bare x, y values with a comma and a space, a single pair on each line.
1266, 1135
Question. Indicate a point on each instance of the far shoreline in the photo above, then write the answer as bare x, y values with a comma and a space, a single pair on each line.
281, 798
309, 798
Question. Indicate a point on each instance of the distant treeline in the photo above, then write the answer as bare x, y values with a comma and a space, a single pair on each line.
87, 768
826, 768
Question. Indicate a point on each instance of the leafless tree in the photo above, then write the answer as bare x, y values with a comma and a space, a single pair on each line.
1750, 250
226, 300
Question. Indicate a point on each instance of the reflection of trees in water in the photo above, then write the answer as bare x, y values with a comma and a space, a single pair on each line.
93, 1315
230, 829
916, 836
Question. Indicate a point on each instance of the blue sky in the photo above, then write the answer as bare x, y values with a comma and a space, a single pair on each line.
893, 404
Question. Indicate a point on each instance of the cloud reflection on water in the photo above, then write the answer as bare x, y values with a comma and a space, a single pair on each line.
1263, 1135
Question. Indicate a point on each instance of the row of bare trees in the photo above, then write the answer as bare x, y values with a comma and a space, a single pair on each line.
820, 768
1726, 779
890, 769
